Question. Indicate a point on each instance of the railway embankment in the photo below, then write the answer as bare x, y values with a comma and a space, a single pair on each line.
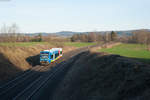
96, 76
15, 59
84, 75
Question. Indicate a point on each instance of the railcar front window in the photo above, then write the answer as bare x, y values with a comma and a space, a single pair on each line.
44, 56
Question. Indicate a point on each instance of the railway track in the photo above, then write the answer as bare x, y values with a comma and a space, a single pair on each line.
34, 84
8, 91
29, 92
17, 79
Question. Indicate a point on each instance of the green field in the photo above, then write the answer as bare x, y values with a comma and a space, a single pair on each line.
22, 43
79, 44
75, 44
137, 51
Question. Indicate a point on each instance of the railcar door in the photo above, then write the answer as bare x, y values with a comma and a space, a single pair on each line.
53, 56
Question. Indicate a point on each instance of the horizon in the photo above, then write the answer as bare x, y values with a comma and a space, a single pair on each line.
88, 31
81, 32
76, 16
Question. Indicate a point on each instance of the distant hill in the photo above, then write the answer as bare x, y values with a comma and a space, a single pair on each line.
36, 34
66, 33
70, 33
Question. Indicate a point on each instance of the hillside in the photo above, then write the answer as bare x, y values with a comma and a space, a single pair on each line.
101, 76
22, 56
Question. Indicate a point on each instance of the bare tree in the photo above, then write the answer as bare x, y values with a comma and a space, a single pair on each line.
10, 33
113, 36
74, 38
91, 37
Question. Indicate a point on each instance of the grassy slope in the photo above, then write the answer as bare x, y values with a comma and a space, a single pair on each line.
23, 44
98, 76
130, 50
78, 44
14, 56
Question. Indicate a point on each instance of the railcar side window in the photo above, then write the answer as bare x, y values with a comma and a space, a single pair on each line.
56, 55
51, 56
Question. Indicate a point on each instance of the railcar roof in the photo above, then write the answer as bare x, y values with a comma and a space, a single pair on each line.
52, 50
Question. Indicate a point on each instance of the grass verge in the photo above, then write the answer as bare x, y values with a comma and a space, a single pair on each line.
136, 51
79, 44
23, 44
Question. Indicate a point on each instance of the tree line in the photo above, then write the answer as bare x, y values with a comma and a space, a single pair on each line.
138, 37
12, 34
95, 37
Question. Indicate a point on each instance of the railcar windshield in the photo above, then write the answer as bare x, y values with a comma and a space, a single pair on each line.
44, 55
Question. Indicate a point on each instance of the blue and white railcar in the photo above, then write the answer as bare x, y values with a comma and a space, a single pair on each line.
48, 56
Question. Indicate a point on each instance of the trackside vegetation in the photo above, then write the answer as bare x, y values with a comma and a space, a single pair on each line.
79, 44
137, 51
17, 57
26, 44
22, 44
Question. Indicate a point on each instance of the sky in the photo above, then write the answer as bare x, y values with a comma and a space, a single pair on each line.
75, 15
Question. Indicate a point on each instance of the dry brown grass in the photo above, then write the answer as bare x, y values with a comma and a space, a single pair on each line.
14, 59
7, 69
